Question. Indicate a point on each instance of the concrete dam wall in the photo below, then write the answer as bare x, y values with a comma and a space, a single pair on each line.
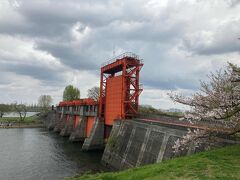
138, 142
134, 143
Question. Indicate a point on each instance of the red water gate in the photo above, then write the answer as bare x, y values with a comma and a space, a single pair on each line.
119, 89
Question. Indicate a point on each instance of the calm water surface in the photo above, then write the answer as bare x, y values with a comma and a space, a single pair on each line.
35, 154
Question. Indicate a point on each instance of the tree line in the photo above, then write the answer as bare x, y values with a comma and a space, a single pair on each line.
45, 102
71, 93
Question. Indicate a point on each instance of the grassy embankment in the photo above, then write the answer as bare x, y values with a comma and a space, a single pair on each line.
32, 121
221, 163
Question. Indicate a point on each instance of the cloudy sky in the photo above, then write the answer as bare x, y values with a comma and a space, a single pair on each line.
48, 44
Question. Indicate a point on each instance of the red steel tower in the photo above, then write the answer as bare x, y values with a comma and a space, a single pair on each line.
119, 88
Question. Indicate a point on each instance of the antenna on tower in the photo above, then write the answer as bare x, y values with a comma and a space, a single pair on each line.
113, 50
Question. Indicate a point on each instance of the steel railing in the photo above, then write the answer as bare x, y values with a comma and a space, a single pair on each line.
126, 54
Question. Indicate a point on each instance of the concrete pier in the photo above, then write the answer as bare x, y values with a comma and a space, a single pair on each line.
68, 128
79, 133
53, 119
60, 124
96, 138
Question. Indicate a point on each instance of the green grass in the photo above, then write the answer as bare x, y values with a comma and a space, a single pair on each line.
27, 120
221, 163
176, 114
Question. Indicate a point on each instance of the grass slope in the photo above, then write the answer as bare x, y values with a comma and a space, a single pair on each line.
30, 119
221, 163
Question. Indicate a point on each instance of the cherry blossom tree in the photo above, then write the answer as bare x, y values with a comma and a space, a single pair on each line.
217, 100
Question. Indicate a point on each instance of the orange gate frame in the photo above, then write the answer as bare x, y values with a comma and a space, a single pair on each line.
129, 66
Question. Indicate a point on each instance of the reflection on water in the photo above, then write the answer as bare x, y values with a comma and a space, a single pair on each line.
40, 154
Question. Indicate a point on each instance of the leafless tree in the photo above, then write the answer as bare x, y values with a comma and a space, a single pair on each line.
94, 93
44, 101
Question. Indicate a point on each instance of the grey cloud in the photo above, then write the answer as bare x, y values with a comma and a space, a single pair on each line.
118, 27
224, 40
232, 3
143, 31
106, 22
69, 55
161, 71
4, 80
173, 84
54, 18
40, 72
93, 13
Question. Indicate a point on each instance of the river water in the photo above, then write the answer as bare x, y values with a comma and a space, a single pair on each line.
37, 154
